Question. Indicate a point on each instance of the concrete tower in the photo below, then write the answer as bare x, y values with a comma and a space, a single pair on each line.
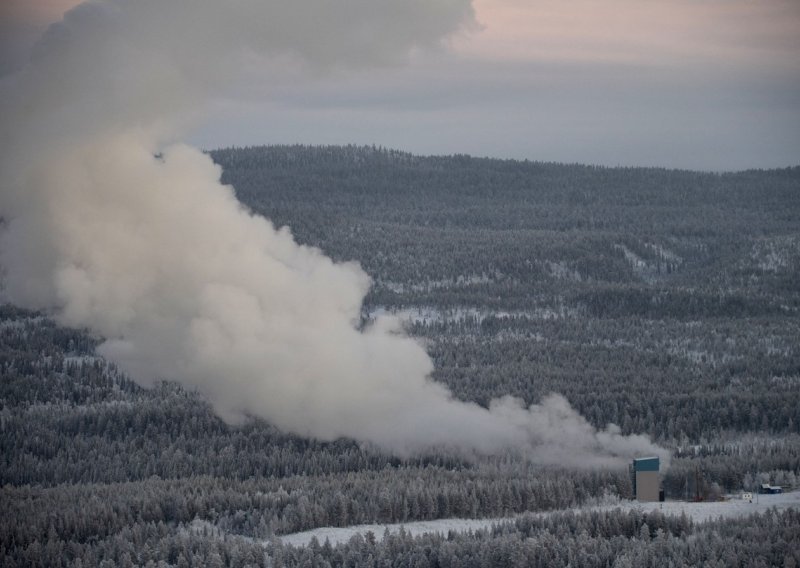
646, 481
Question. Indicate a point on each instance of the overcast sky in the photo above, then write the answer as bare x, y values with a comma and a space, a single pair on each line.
701, 84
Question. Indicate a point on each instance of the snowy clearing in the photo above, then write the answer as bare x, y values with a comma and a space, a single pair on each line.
698, 512
701, 512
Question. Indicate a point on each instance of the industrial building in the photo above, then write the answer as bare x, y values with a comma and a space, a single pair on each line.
646, 480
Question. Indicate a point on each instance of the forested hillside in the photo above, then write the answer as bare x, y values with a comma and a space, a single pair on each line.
664, 301
506, 234
667, 302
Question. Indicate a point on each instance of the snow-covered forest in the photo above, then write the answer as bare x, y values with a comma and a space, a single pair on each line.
666, 302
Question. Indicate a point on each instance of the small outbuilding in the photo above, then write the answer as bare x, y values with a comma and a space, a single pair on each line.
767, 489
646, 479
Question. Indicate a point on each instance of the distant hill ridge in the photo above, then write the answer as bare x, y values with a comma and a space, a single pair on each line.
359, 154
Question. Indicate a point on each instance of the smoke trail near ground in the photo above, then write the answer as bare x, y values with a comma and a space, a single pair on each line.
113, 226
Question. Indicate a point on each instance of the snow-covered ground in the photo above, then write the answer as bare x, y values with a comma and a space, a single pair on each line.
342, 534
698, 512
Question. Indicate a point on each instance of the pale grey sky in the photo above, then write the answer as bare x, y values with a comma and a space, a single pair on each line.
702, 84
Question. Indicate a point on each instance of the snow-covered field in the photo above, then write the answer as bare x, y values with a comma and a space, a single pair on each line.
699, 512
343, 534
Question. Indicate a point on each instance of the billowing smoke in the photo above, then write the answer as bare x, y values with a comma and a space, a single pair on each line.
111, 225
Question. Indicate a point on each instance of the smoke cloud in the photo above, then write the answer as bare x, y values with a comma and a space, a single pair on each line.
112, 225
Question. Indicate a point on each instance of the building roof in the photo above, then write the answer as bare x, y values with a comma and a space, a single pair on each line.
646, 464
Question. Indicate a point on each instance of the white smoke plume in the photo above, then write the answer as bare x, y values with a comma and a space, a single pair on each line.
111, 225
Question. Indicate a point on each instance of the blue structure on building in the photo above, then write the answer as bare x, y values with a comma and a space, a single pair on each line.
646, 464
